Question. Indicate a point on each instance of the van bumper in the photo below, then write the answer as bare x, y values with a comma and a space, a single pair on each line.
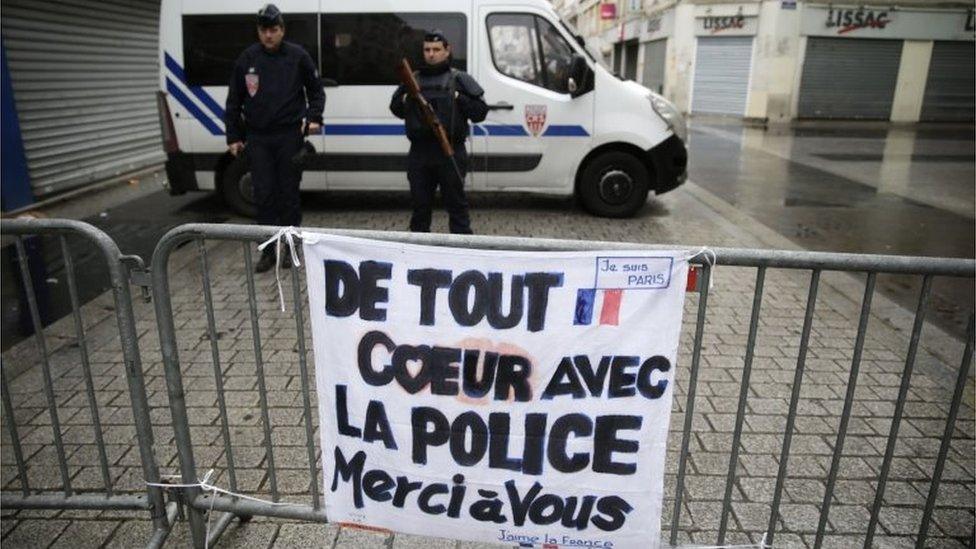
670, 162
180, 173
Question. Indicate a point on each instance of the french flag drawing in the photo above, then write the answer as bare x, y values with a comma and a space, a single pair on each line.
586, 303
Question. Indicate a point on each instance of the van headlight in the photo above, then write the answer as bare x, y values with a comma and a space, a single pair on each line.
669, 113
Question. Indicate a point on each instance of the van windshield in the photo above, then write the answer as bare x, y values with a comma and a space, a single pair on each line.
594, 56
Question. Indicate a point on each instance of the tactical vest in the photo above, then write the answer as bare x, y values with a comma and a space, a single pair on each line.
439, 90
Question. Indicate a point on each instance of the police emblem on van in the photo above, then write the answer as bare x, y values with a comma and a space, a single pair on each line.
535, 118
252, 83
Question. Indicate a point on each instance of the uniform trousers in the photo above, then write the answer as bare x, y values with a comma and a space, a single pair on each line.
427, 169
274, 177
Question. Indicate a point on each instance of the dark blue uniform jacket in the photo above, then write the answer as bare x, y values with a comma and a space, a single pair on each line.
268, 92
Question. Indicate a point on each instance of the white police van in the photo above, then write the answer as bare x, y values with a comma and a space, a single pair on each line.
560, 122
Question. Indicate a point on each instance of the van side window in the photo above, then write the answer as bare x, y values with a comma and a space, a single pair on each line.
514, 47
557, 57
364, 49
529, 48
212, 43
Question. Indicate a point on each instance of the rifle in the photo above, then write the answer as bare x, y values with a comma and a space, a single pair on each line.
405, 72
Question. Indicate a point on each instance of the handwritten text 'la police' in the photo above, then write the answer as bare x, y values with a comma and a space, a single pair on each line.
470, 438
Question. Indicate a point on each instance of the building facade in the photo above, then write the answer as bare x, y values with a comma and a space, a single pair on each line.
784, 60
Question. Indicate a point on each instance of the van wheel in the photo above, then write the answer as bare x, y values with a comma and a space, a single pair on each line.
237, 190
614, 184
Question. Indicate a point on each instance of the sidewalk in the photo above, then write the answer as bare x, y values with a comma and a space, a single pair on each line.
689, 216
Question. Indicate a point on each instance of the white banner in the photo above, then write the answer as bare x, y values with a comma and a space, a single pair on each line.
510, 397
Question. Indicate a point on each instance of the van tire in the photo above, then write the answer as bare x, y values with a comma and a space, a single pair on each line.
236, 190
614, 184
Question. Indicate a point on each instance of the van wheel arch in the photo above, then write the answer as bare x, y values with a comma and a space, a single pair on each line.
626, 158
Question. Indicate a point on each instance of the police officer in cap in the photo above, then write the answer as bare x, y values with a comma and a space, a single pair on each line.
274, 88
455, 97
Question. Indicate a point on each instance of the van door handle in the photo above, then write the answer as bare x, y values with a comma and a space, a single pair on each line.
503, 106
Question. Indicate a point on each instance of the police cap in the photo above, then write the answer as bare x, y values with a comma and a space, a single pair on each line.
270, 16
436, 35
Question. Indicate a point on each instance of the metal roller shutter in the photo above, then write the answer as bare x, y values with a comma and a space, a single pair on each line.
949, 90
84, 75
721, 75
849, 78
654, 58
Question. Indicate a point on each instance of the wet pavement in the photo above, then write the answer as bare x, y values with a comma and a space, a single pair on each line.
849, 189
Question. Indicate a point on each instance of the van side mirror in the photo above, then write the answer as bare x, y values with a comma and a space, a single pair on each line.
329, 82
580, 76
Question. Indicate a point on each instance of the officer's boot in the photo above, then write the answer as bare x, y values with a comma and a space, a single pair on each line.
267, 261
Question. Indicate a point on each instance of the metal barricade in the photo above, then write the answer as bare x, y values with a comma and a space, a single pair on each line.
206, 529
107, 496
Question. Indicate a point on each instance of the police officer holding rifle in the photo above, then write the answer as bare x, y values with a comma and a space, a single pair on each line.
436, 103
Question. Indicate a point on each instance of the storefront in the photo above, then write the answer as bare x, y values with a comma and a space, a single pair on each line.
853, 63
654, 37
723, 58
949, 88
782, 60
626, 49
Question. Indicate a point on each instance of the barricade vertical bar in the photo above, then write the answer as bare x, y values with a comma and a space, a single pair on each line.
690, 401
69, 268
306, 400
906, 378
967, 357
8, 410
174, 387
215, 357
259, 365
137, 389
801, 360
862, 328
743, 395
45, 364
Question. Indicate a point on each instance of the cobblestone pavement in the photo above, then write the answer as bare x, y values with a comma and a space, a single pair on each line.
688, 216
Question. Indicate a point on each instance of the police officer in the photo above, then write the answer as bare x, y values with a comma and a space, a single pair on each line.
274, 86
456, 98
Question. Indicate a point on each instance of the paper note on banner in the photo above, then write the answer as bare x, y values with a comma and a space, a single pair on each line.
510, 397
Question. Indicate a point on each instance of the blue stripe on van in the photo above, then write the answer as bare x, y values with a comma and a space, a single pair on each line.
189, 105
198, 91
565, 131
505, 130
364, 129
